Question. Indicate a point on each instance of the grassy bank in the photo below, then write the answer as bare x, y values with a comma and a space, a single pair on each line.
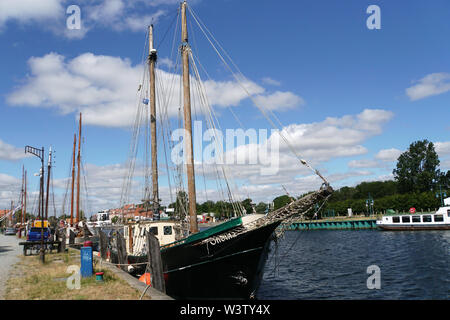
32, 280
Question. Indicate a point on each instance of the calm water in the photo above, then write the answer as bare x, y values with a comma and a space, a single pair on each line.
327, 264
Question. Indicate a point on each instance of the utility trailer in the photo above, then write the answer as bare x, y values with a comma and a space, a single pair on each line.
35, 246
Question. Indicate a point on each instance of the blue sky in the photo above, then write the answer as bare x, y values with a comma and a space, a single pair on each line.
353, 98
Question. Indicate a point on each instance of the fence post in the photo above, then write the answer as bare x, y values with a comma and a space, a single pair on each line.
71, 237
62, 238
155, 263
103, 244
121, 251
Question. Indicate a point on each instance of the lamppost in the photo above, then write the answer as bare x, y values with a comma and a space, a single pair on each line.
369, 204
441, 194
40, 154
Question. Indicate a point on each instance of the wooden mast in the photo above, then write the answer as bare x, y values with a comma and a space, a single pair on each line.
78, 173
185, 49
49, 165
73, 178
23, 190
152, 60
24, 208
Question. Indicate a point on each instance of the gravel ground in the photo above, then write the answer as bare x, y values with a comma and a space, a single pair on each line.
9, 252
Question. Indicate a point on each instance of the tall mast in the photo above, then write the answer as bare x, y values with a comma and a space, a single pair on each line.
73, 178
23, 190
49, 165
78, 172
152, 56
185, 49
24, 208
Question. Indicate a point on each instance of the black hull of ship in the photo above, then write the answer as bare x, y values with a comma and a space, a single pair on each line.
229, 269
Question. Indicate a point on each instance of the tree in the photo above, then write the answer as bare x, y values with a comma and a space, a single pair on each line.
417, 168
261, 207
281, 201
181, 204
248, 206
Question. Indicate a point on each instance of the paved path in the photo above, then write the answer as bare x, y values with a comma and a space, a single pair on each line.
9, 255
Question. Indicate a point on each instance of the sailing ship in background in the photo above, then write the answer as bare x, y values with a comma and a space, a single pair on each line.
78, 229
225, 261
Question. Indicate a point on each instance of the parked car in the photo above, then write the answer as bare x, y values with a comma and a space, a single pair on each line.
10, 232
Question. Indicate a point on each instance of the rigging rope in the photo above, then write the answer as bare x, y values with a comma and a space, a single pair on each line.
238, 79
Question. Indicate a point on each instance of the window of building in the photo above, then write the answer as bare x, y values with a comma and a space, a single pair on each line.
406, 219
438, 218
416, 219
396, 219
167, 230
426, 218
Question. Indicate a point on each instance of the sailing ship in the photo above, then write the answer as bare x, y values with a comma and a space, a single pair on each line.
222, 262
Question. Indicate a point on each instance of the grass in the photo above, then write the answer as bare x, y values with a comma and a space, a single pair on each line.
32, 280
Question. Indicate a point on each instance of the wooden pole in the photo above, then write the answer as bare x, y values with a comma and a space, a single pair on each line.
155, 263
48, 181
152, 60
41, 195
23, 191
103, 240
185, 49
78, 172
73, 178
121, 251
24, 212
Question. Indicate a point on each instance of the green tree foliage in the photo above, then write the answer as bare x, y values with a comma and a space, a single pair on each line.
248, 205
181, 204
261, 207
281, 201
417, 168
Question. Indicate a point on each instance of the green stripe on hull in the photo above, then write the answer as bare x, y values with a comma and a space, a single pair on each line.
208, 232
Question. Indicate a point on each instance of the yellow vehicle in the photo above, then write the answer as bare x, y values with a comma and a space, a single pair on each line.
38, 224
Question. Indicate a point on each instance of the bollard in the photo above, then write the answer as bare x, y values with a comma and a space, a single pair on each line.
87, 244
99, 276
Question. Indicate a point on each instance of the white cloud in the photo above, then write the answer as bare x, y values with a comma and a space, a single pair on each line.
442, 148
391, 154
117, 15
29, 11
9, 190
279, 101
11, 153
104, 89
271, 81
121, 15
336, 137
365, 163
347, 135
166, 62
229, 93
430, 85
316, 142
385, 177
87, 83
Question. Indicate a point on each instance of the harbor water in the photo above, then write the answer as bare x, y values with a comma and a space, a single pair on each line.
328, 264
